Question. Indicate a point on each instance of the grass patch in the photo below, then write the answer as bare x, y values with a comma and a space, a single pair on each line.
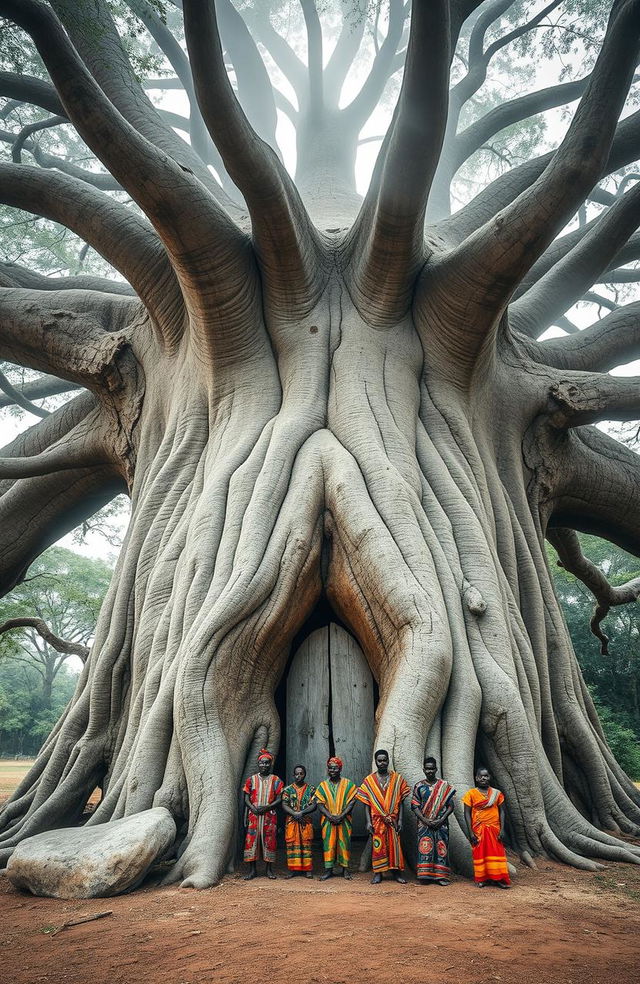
609, 883
12, 771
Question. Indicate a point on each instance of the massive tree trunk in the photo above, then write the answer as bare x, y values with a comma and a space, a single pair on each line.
307, 415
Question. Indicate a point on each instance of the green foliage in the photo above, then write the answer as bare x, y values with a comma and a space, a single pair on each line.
621, 738
614, 680
24, 721
36, 682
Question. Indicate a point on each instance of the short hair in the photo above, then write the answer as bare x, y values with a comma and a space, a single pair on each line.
381, 751
430, 758
482, 768
303, 767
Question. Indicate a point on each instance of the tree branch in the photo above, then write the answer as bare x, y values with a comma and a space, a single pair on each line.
293, 69
105, 182
117, 233
343, 55
83, 447
287, 245
608, 343
75, 334
620, 276
507, 113
496, 257
18, 398
477, 59
597, 486
314, 57
570, 556
41, 627
568, 280
255, 91
13, 275
180, 64
39, 389
460, 11
29, 130
506, 188
585, 398
95, 37
36, 512
386, 241
203, 243
363, 104
28, 88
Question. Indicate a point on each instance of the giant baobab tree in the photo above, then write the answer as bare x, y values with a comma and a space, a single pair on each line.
312, 397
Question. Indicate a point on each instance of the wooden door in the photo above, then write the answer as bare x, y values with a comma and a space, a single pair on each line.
330, 703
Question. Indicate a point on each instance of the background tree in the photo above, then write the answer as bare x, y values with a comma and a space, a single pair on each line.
24, 721
309, 395
614, 678
52, 614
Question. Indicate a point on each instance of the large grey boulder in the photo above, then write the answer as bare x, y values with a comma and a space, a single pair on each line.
90, 862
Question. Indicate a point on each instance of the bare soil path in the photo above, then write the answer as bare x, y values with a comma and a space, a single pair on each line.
556, 926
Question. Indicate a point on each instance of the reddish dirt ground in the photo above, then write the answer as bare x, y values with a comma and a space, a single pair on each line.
555, 926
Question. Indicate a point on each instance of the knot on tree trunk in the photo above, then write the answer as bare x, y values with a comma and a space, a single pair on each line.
473, 599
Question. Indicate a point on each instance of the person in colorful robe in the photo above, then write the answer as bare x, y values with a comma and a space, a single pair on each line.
262, 794
336, 798
382, 793
484, 819
432, 803
298, 803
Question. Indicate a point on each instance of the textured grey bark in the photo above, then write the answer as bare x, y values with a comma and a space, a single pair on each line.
317, 411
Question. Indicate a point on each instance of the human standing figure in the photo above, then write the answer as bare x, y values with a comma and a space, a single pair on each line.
336, 797
484, 819
432, 803
262, 794
382, 793
298, 803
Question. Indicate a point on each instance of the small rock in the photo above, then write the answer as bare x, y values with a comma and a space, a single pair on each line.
92, 862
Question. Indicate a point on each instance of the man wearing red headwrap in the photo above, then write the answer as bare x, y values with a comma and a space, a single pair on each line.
336, 798
262, 794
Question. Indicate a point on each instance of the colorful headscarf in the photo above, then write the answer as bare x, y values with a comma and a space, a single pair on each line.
335, 760
264, 753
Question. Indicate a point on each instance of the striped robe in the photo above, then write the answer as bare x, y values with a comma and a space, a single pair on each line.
336, 840
298, 834
385, 805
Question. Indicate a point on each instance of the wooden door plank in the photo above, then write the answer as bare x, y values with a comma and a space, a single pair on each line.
307, 741
352, 711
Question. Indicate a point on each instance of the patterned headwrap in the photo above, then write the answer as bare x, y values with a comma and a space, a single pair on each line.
334, 760
265, 754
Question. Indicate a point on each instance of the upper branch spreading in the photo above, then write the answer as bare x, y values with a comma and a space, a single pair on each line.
387, 240
199, 237
567, 281
584, 398
314, 56
496, 257
609, 342
116, 232
502, 192
284, 237
76, 334
95, 37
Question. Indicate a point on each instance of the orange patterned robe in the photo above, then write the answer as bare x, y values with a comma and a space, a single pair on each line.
385, 805
489, 858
